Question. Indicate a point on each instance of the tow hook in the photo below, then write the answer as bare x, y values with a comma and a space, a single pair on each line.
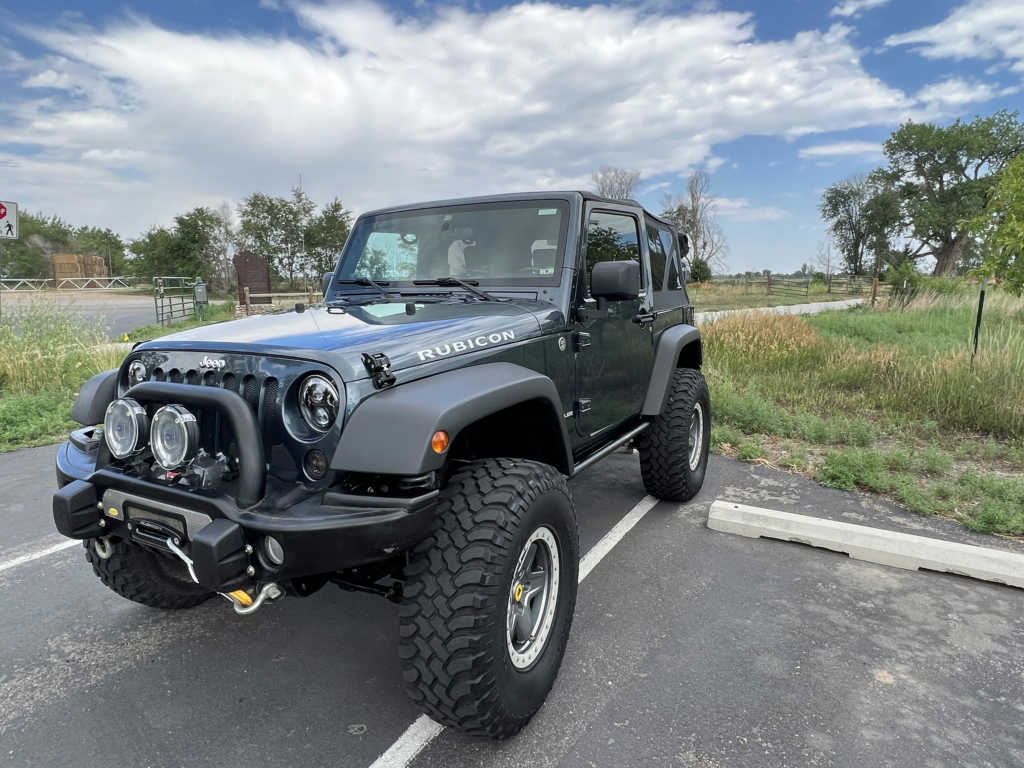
241, 600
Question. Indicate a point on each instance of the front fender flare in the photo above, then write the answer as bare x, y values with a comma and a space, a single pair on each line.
390, 432
671, 344
93, 398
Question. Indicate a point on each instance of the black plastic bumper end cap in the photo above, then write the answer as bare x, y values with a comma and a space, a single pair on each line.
218, 555
74, 511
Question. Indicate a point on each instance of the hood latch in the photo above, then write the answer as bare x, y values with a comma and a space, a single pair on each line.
379, 367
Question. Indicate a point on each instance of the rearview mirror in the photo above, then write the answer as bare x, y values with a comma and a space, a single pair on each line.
325, 282
615, 280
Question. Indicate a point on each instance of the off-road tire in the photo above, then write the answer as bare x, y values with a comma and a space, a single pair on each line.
144, 576
665, 445
455, 659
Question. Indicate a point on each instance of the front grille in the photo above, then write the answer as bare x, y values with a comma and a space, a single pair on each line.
260, 391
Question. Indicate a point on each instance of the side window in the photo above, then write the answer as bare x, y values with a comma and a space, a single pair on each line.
671, 243
657, 252
611, 237
672, 295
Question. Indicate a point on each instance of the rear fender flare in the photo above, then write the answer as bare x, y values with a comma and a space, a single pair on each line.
669, 355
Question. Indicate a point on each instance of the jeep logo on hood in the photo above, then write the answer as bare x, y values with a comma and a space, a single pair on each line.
464, 345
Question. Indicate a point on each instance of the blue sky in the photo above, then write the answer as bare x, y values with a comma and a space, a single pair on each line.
123, 114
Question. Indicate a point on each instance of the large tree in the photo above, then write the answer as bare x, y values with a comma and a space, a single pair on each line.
694, 215
326, 235
276, 228
1001, 227
616, 183
188, 249
943, 175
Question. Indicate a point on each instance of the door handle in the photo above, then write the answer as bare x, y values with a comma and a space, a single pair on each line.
644, 318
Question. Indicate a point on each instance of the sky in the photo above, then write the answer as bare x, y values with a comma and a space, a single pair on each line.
122, 113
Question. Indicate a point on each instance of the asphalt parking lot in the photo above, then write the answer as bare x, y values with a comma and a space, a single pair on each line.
689, 648
117, 312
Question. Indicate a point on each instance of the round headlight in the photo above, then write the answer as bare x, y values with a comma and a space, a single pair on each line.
136, 372
124, 427
318, 402
174, 436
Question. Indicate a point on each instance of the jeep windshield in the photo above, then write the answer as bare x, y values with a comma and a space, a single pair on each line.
498, 243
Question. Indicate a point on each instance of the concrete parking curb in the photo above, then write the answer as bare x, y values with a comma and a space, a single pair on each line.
902, 550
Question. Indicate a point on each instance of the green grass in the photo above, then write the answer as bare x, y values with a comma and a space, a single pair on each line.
712, 297
884, 401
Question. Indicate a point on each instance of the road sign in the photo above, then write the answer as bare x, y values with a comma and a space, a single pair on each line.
8, 220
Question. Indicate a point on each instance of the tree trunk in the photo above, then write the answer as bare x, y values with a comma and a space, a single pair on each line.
947, 257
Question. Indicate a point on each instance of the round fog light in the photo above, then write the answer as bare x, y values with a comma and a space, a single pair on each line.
174, 436
273, 550
315, 464
124, 427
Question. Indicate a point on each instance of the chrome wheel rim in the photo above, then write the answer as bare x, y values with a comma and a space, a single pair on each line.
696, 436
532, 598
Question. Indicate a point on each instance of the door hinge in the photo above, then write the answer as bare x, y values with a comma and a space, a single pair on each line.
582, 405
581, 339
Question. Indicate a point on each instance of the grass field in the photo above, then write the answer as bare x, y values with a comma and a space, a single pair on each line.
711, 297
46, 353
882, 400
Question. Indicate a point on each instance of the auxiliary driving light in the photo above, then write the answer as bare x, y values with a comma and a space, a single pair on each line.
174, 436
124, 427
273, 550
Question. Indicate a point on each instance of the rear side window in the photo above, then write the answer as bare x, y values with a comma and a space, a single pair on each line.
669, 294
611, 237
658, 256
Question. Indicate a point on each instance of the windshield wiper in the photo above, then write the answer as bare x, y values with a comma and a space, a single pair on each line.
368, 282
465, 284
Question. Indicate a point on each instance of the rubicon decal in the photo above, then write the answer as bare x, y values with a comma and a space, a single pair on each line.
464, 345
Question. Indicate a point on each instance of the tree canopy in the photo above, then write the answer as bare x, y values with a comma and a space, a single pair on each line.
1001, 227
937, 179
694, 215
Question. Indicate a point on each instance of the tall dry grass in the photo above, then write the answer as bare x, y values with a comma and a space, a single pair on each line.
46, 348
912, 363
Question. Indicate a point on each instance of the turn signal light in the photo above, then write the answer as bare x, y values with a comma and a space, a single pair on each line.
439, 442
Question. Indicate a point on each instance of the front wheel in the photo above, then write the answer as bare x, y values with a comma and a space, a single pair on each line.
489, 597
674, 449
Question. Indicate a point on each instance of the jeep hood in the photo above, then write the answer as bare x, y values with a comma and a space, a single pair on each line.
339, 337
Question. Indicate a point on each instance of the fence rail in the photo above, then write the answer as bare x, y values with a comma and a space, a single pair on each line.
247, 306
842, 285
66, 283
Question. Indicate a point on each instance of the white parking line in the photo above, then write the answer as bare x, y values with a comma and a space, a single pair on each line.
15, 562
424, 730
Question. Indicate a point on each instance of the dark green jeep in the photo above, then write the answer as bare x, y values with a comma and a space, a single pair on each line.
410, 437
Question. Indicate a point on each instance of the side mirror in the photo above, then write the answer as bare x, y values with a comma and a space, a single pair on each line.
684, 245
325, 282
615, 280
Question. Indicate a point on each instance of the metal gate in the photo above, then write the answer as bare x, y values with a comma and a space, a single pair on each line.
174, 298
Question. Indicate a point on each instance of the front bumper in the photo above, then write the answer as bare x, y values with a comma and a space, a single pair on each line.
322, 533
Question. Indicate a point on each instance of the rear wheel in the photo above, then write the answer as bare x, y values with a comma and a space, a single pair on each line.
489, 597
143, 576
674, 449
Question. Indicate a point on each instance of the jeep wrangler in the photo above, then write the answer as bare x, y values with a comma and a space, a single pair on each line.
412, 436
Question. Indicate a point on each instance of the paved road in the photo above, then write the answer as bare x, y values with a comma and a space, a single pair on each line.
690, 647
118, 312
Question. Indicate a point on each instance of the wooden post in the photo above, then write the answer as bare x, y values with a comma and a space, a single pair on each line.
245, 299
874, 290
769, 283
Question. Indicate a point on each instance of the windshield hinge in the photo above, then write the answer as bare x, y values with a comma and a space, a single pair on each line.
379, 367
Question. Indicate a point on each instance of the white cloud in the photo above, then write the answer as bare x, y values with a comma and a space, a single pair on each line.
741, 209
849, 8
980, 29
380, 109
841, 148
954, 92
